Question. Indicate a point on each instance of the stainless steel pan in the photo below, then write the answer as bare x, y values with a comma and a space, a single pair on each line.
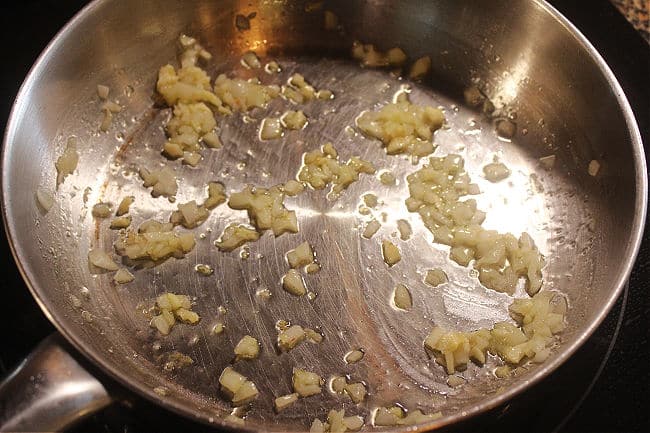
522, 54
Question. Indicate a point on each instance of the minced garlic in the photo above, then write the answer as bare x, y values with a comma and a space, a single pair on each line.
265, 209
390, 253
496, 171
435, 277
402, 297
293, 283
247, 348
306, 383
237, 387
284, 401
322, 167
66, 164
123, 207
154, 245
300, 256
234, 236
404, 229
403, 127
242, 95
162, 181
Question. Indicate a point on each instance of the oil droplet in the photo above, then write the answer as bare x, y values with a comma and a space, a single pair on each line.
245, 252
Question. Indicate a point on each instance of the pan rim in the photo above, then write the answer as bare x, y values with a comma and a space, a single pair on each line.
635, 236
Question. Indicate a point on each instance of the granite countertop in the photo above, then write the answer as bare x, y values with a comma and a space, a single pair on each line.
637, 13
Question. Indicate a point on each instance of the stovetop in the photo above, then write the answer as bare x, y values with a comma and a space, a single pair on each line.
604, 387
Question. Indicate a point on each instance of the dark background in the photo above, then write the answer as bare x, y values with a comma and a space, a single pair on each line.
603, 388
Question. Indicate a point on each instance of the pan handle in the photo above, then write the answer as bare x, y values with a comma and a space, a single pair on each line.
49, 391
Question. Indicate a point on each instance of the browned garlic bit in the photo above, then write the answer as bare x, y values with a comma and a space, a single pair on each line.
172, 307
501, 259
321, 167
594, 168
237, 387
266, 209
403, 127
66, 164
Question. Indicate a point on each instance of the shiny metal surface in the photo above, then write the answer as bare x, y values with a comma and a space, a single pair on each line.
533, 64
49, 391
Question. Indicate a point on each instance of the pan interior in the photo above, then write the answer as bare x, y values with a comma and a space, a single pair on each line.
566, 211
